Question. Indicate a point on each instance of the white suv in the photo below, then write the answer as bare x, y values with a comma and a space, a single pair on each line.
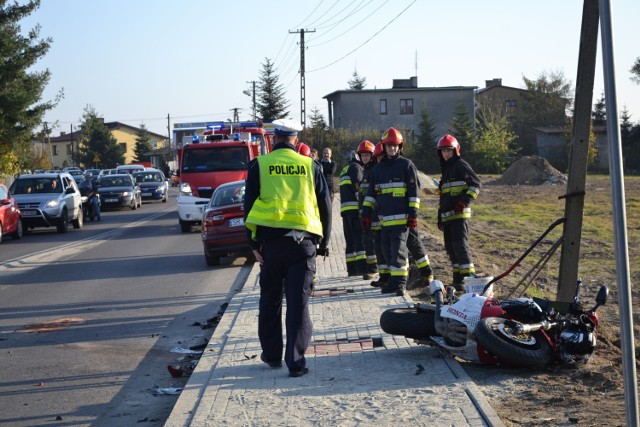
48, 199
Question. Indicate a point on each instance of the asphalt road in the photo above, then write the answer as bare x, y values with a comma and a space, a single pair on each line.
88, 318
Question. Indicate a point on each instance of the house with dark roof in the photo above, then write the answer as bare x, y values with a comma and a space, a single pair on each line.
399, 106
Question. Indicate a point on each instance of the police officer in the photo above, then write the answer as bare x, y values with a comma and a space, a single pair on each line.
350, 178
393, 191
287, 213
459, 185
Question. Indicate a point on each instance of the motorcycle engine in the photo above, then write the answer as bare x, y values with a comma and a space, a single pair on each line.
576, 344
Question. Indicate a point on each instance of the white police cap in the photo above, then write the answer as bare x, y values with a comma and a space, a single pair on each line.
287, 127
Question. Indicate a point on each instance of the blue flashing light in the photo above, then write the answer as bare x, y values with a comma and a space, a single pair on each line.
215, 125
249, 124
195, 139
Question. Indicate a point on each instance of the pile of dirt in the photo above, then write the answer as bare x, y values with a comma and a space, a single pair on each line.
531, 170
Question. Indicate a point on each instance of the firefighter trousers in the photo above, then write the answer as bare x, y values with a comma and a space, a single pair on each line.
355, 255
419, 253
456, 243
370, 251
395, 252
288, 269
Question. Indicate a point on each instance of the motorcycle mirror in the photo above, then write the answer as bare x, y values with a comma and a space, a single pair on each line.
603, 293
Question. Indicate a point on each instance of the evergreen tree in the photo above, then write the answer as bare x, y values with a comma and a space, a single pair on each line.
271, 103
461, 126
357, 83
630, 142
599, 113
424, 154
315, 135
143, 145
20, 89
635, 71
97, 142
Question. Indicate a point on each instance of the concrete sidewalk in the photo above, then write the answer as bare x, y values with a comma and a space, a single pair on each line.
359, 375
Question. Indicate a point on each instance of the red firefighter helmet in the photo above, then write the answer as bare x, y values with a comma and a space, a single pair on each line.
365, 147
449, 141
303, 149
379, 150
392, 137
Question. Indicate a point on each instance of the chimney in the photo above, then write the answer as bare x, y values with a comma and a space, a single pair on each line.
410, 83
493, 82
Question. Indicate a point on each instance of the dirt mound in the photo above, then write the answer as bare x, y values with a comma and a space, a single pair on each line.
428, 184
531, 170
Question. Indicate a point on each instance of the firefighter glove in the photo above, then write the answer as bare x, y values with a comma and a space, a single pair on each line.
366, 223
322, 251
460, 205
412, 223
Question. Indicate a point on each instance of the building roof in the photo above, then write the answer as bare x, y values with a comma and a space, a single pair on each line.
75, 135
402, 89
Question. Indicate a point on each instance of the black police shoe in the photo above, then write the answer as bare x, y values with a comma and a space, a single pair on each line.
298, 372
272, 364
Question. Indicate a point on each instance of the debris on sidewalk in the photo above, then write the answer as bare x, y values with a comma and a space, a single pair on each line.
183, 350
167, 390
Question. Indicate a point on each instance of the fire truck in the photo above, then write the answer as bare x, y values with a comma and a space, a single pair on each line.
218, 155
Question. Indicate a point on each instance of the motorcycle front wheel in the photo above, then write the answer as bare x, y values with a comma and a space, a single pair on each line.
410, 322
523, 350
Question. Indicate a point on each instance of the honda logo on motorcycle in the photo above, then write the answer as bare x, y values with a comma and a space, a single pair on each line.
456, 313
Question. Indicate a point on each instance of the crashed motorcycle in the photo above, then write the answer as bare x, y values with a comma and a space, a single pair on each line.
521, 332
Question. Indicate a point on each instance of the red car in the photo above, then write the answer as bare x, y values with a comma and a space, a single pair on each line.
223, 230
10, 220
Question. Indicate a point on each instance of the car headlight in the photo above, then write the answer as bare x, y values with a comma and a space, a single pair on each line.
125, 194
185, 189
52, 203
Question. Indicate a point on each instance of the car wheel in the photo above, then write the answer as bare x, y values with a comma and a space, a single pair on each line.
212, 260
18, 233
185, 226
134, 206
63, 225
79, 221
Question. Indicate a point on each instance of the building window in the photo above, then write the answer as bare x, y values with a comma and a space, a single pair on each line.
406, 106
510, 103
383, 106
69, 150
54, 150
123, 147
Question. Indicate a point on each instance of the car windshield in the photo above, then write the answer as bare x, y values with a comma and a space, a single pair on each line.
147, 177
214, 159
37, 186
228, 195
114, 181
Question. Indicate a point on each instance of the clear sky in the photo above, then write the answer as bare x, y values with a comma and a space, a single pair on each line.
138, 61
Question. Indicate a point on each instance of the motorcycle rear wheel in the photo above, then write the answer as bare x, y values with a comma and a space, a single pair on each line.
524, 350
409, 322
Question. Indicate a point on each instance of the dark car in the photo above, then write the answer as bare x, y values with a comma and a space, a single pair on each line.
153, 184
119, 191
10, 223
223, 230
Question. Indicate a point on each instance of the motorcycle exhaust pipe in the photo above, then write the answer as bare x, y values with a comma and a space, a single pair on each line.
436, 288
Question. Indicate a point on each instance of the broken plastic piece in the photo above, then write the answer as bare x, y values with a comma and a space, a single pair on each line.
167, 390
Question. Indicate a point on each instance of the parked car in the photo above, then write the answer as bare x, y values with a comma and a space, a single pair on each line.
48, 199
129, 168
76, 173
153, 184
119, 191
10, 223
223, 230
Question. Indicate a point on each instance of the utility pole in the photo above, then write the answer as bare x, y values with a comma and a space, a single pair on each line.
46, 132
253, 98
303, 108
236, 117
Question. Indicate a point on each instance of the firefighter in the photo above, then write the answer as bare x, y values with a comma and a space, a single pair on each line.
287, 213
350, 178
414, 243
365, 151
393, 191
459, 185
383, 270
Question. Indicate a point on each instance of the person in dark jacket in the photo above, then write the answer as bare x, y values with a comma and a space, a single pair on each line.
355, 256
393, 191
459, 185
287, 213
329, 169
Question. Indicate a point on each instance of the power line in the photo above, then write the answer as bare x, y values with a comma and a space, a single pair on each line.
312, 12
366, 41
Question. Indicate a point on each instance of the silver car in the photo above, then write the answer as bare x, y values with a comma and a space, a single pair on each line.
49, 199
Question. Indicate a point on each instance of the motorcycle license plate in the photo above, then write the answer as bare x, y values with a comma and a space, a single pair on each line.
111, 200
236, 222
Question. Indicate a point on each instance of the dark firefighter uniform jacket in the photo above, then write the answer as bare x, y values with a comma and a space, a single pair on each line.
254, 190
458, 183
364, 189
393, 191
350, 178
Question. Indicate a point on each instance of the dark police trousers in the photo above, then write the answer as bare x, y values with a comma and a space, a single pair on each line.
288, 269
